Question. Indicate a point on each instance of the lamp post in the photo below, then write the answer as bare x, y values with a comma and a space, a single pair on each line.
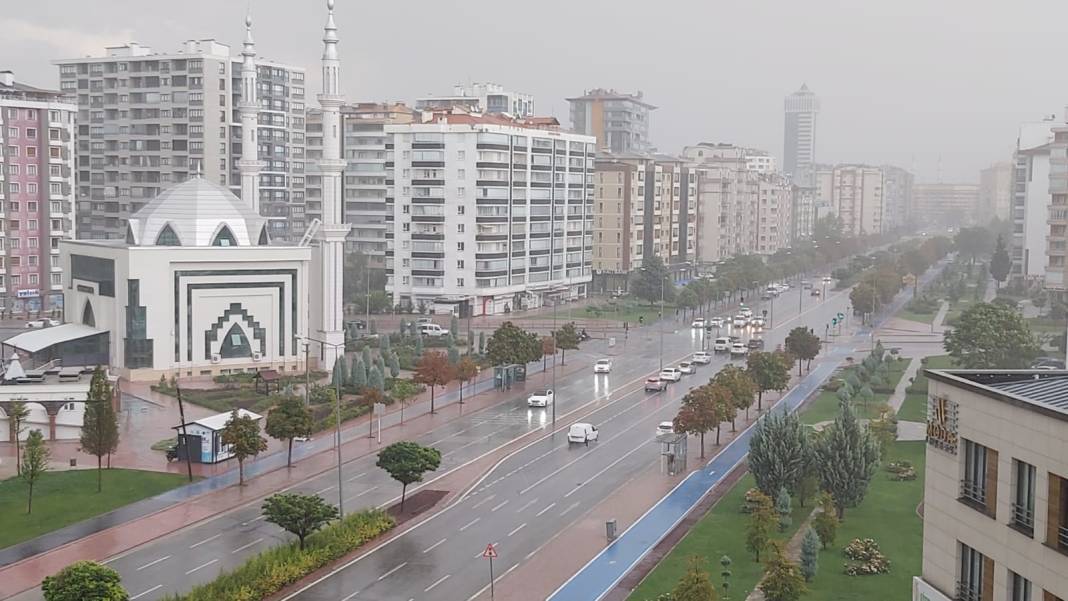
337, 412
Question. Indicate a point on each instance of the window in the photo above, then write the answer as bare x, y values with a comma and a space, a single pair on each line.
460, 246
31, 151
970, 580
31, 133
33, 224
973, 480
16, 281
31, 188
12, 132
13, 169
13, 187
31, 169
459, 264
1057, 513
1019, 587
459, 282
34, 279
31, 243
459, 228
459, 209
1023, 496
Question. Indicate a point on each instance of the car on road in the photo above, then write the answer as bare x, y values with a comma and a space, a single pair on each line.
739, 349
41, 323
665, 428
745, 311
602, 366
805, 284
698, 323
815, 292
715, 322
541, 398
655, 384
755, 344
432, 330
721, 345
671, 374
827, 279
701, 358
581, 433
740, 321
688, 368
757, 322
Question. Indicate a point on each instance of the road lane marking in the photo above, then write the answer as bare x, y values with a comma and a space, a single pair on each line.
437, 582
432, 547
319, 492
151, 590
203, 565
206, 540
606, 468
484, 501
243, 547
390, 573
528, 504
359, 475
152, 563
351, 596
547, 508
570, 507
469, 524
255, 519
517, 529
499, 505
360, 494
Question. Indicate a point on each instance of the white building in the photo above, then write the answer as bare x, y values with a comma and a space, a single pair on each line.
489, 213
799, 144
760, 161
1031, 199
855, 194
481, 98
204, 437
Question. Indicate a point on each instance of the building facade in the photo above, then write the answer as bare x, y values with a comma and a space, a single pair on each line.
36, 194
995, 191
1031, 199
481, 98
490, 214
799, 144
774, 214
1056, 276
897, 197
149, 120
619, 121
729, 193
995, 509
855, 193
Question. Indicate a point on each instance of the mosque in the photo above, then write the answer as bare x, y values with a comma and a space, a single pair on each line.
197, 288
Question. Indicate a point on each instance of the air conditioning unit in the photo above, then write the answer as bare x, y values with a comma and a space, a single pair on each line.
256, 356
216, 358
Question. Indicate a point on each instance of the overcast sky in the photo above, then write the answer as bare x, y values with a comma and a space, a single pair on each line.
938, 86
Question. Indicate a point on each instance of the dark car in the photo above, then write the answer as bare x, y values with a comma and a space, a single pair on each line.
756, 344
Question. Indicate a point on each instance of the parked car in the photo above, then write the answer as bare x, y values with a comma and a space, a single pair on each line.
721, 345
702, 358
432, 330
581, 433
755, 344
665, 428
541, 398
41, 323
715, 322
602, 366
698, 323
688, 368
671, 374
740, 321
739, 349
358, 324
655, 384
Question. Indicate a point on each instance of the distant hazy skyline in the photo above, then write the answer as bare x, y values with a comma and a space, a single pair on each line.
936, 87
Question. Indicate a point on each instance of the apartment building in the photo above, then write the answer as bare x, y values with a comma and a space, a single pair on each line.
36, 193
147, 120
1031, 198
490, 214
947, 204
645, 205
1056, 276
485, 97
618, 120
995, 509
799, 145
774, 214
729, 196
897, 197
365, 185
804, 211
760, 161
855, 194
995, 191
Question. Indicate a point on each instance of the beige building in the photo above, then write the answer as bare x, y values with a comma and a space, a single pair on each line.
618, 120
995, 505
855, 194
995, 191
774, 214
947, 204
1057, 235
729, 193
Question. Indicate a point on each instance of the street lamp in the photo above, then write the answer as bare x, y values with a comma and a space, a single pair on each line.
337, 408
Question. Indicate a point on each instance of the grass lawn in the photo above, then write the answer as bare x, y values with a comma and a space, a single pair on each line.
825, 406
624, 311
720, 532
63, 498
914, 409
888, 515
917, 317
1045, 325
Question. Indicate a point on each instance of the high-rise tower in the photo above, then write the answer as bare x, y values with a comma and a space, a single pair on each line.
249, 108
799, 147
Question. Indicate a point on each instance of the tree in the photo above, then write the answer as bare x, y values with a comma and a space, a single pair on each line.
687, 300
454, 326
864, 298
783, 580
826, 521
847, 455
566, 339
804, 345
725, 573
338, 375
84, 581
357, 375
466, 370
695, 585
865, 394
777, 452
418, 343
406, 462
511, 344
384, 345
810, 551
481, 342
989, 336
783, 508
242, 434
741, 386
761, 523
433, 370
376, 379
453, 352
402, 392
394, 365
697, 414
298, 514
100, 428
287, 420
34, 463
769, 372
1000, 262
651, 281
17, 414
973, 241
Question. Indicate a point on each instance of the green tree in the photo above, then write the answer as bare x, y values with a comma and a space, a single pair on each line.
725, 573
402, 392
826, 521
337, 376
406, 462
1000, 262
433, 370
695, 585
973, 241
510, 344
777, 452
17, 414
761, 524
566, 339
418, 343
242, 434
769, 372
988, 336
287, 420
783, 508
810, 552
740, 385
453, 353
783, 580
698, 414
454, 326
864, 298
394, 365
481, 342
376, 380
652, 281
687, 300
84, 581
466, 370
35, 459
298, 514
384, 345
865, 394
848, 455
100, 428
357, 375
804, 345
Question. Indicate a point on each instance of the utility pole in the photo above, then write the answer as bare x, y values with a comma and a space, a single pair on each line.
554, 391
337, 407
185, 434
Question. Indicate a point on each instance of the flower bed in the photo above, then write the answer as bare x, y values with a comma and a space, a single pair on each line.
865, 558
901, 471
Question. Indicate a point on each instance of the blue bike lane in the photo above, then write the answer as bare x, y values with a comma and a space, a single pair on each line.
598, 577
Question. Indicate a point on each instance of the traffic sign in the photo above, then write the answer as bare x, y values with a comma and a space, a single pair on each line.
841, 316
765, 312
490, 552
834, 321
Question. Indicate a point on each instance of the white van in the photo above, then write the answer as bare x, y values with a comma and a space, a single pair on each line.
432, 330
581, 433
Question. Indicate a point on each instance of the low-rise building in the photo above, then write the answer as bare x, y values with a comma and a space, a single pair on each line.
481, 98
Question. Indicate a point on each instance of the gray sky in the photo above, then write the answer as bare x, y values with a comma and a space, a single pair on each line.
915, 83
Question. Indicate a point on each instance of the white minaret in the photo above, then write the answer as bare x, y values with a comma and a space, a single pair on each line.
332, 233
249, 165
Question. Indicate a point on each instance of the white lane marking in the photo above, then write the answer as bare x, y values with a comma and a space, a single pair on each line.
206, 540
568, 510
360, 494
255, 519
547, 508
152, 563
517, 528
606, 468
203, 565
528, 504
319, 492
153, 589
469, 524
390, 573
243, 547
351, 596
483, 501
359, 475
499, 505
437, 582
431, 547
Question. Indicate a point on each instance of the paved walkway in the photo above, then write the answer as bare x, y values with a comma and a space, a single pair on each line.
898, 396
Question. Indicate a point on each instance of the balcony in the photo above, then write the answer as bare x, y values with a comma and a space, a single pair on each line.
1023, 519
967, 592
973, 493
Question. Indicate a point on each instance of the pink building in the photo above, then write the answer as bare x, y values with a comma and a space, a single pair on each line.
36, 194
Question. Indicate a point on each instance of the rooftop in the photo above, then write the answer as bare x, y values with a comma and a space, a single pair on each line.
609, 94
1045, 391
9, 88
196, 212
219, 421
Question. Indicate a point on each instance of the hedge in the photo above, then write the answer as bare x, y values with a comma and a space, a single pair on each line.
274, 569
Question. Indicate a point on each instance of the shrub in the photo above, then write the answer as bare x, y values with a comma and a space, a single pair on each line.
901, 471
865, 558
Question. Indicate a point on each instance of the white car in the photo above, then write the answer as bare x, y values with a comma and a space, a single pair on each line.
432, 330
688, 368
665, 428
721, 345
757, 322
41, 323
655, 384
581, 433
542, 398
715, 322
746, 311
739, 349
671, 374
603, 366
827, 279
740, 321
702, 358
698, 323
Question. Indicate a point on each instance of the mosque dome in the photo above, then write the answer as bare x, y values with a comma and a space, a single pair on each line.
196, 212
